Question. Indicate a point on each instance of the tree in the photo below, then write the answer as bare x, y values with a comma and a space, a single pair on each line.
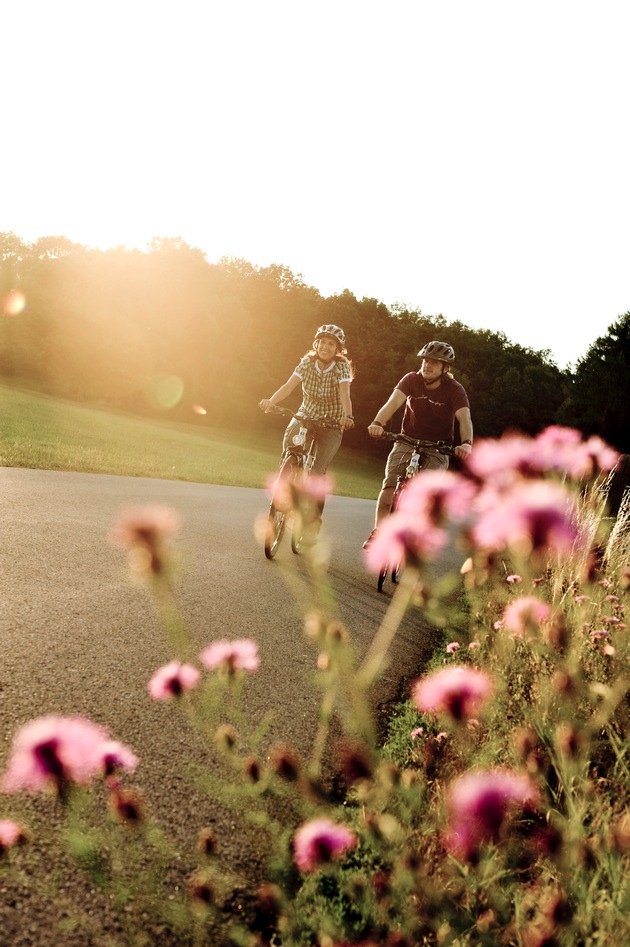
599, 400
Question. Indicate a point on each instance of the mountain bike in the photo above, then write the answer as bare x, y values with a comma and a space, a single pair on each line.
420, 450
297, 462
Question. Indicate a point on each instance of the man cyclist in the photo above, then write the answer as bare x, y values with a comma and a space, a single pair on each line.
433, 400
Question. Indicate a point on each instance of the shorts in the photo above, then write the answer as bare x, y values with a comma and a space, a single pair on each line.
399, 458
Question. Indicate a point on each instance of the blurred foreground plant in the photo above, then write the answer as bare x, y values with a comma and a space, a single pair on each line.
498, 811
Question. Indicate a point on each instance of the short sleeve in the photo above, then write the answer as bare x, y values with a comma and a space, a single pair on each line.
343, 372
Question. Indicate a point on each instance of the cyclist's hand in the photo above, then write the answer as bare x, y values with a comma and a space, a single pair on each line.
463, 451
346, 423
375, 430
265, 405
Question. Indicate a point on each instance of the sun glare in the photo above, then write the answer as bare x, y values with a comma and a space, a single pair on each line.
14, 303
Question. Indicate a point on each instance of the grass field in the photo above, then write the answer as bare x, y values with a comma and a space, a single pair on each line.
41, 432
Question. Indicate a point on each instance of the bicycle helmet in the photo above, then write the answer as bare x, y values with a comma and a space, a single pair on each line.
441, 351
333, 332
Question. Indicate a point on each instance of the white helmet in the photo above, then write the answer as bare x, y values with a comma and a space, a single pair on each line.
333, 332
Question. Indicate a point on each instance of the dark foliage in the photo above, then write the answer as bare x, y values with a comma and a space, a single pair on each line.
111, 327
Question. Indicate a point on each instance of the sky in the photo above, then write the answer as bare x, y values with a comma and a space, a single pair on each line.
467, 158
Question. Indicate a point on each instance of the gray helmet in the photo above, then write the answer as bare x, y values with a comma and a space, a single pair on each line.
441, 351
333, 332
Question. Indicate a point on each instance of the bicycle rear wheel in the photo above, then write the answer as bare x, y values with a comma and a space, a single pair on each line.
280, 506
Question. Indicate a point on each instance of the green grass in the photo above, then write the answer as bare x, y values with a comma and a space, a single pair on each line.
45, 433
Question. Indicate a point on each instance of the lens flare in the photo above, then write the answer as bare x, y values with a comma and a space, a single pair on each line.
199, 409
165, 391
14, 303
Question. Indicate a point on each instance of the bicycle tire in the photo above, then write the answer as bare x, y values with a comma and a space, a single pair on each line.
277, 517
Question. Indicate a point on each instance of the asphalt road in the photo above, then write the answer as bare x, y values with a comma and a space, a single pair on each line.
79, 637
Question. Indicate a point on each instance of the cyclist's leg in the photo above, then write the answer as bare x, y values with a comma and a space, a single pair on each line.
396, 462
433, 460
328, 441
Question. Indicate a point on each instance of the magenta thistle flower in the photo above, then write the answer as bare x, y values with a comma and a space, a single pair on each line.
525, 614
533, 517
562, 449
115, 756
172, 680
401, 538
51, 752
145, 532
457, 691
319, 842
478, 804
11, 833
452, 647
240, 654
513, 579
502, 461
438, 496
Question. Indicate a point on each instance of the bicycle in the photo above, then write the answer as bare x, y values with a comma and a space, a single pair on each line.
297, 462
415, 464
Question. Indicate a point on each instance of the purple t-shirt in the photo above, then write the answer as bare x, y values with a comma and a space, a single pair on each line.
429, 415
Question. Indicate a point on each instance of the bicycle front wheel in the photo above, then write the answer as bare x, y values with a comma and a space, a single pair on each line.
280, 506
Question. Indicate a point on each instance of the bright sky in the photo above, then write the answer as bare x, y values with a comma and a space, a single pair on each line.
464, 157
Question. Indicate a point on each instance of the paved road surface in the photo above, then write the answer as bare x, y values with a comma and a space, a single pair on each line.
79, 638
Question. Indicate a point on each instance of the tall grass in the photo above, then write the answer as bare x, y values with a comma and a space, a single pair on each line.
42, 432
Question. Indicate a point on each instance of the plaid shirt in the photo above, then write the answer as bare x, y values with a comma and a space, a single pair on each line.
320, 389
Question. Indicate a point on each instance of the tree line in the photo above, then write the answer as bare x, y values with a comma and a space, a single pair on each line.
163, 332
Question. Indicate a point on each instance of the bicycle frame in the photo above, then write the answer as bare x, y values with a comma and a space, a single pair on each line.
300, 455
420, 449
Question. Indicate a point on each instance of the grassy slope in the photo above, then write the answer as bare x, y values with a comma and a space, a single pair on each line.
41, 432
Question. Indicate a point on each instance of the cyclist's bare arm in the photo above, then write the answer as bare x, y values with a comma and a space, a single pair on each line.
395, 401
465, 431
283, 392
346, 404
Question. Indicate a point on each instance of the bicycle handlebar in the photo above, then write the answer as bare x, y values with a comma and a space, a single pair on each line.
440, 446
323, 422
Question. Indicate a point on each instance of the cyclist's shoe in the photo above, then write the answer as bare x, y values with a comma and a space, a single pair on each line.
370, 539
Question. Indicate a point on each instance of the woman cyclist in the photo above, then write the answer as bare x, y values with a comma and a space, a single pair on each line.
325, 374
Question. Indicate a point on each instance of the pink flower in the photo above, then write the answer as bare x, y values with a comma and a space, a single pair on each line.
473, 645
513, 579
598, 633
532, 517
241, 654
452, 647
417, 732
50, 752
401, 538
478, 804
172, 680
438, 496
525, 614
562, 449
10, 834
458, 691
501, 461
321, 841
115, 756
145, 532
